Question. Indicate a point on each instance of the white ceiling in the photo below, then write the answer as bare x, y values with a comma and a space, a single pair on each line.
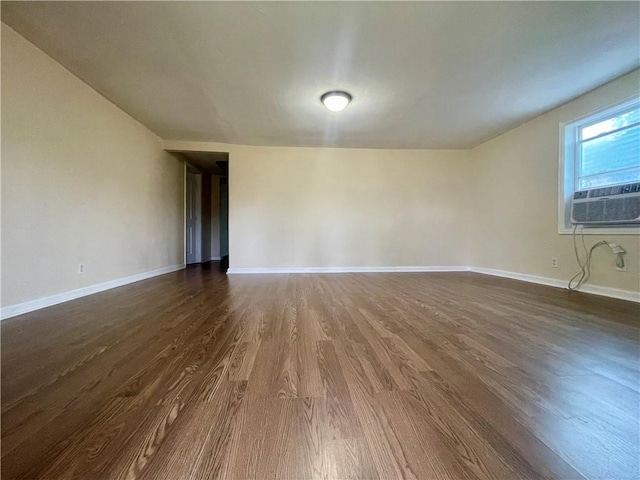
423, 75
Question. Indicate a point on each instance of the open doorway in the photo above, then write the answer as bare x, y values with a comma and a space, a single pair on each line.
206, 208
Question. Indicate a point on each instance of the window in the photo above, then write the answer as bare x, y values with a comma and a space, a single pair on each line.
599, 150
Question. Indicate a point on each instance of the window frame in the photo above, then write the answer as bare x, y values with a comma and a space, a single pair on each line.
568, 166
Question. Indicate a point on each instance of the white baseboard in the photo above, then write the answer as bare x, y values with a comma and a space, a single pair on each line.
407, 269
20, 308
553, 282
214, 259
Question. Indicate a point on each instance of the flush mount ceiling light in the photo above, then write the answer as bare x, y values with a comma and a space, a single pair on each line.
336, 100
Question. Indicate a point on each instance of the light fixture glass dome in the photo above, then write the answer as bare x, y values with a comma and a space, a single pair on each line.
336, 100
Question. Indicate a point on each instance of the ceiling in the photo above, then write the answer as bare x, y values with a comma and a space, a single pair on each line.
422, 74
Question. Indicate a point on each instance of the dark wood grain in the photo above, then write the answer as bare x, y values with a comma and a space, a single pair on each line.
195, 375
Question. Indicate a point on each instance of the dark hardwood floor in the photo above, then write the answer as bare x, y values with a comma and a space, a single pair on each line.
194, 375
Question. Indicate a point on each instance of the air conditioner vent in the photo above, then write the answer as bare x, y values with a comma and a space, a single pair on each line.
618, 205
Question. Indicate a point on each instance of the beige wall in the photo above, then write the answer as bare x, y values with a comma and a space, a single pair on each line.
210, 217
307, 207
215, 216
323, 207
206, 217
82, 182
515, 221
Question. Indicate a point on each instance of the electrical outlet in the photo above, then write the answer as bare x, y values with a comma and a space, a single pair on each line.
616, 249
554, 262
80, 268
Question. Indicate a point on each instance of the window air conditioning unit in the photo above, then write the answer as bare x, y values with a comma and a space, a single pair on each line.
619, 205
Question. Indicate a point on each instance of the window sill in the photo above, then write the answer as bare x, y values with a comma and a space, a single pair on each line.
635, 230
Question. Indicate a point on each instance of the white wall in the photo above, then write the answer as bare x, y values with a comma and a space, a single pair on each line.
82, 182
515, 220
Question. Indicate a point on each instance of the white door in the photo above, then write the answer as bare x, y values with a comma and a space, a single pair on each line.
194, 234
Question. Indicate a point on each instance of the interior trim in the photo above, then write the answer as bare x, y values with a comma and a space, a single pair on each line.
407, 269
26, 307
30, 306
553, 282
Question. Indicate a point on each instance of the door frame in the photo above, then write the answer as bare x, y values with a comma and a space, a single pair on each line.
198, 217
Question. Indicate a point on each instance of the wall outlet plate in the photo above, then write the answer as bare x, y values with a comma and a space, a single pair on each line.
80, 268
554, 262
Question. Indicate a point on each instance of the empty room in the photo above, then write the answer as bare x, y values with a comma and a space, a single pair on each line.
320, 240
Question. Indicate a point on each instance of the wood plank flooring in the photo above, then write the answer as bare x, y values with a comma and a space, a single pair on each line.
195, 375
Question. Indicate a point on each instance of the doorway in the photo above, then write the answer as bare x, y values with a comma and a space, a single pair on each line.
206, 208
